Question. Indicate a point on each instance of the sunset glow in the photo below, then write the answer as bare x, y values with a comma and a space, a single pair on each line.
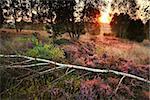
105, 15
105, 18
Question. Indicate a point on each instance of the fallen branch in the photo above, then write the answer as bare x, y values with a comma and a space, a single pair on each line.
80, 67
119, 84
26, 66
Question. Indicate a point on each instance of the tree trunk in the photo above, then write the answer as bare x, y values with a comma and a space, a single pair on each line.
15, 18
1, 16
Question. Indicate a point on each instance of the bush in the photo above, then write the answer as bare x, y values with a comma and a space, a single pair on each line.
123, 26
10, 25
47, 51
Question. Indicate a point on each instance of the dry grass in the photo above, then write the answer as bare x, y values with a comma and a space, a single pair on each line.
120, 48
23, 32
138, 53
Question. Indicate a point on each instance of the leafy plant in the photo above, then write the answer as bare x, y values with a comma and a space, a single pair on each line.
47, 51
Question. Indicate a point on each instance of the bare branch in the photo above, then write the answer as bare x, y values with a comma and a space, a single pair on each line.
119, 84
23, 62
26, 66
63, 76
54, 82
80, 67
49, 70
7, 90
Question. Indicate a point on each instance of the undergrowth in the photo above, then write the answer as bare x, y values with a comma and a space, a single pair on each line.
47, 51
34, 47
26, 83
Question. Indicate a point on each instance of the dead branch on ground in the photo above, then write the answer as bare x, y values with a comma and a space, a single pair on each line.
77, 67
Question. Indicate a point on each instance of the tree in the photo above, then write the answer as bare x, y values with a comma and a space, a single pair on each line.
15, 6
135, 30
125, 27
147, 29
65, 20
51, 5
134, 8
127, 23
91, 12
1, 15
90, 15
120, 24
129, 7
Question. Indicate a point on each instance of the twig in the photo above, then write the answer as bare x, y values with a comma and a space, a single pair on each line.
49, 70
26, 66
84, 75
38, 73
30, 71
119, 84
31, 58
80, 67
11, 88
63, 76
26, 61
56, 80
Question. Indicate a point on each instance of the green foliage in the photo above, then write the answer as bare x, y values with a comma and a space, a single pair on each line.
123, 26
9, 25
135, 31
48, 51
120, 24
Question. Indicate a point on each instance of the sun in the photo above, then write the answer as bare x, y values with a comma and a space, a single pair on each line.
104, 18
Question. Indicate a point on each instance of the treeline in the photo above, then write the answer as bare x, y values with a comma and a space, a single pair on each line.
125, 27
65, 15
76, 16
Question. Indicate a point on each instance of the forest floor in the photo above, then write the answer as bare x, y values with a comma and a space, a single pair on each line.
93, 51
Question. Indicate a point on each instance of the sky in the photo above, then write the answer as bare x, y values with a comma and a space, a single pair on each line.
144, 4
141, 14
107, 11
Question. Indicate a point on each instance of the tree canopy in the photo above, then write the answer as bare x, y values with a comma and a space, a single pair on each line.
75, 11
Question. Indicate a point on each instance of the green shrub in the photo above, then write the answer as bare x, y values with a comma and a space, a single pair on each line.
47, 51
